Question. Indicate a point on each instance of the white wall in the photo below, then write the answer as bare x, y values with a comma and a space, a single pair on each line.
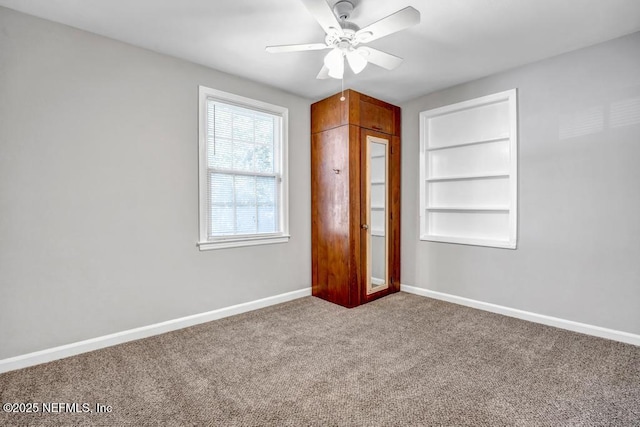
578, 255
99, 190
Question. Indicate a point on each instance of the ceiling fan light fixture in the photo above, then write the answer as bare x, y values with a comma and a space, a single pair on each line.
337, 72
356, 61
334, 61
342, 37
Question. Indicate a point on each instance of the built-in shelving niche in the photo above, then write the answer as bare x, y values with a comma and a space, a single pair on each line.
468, 172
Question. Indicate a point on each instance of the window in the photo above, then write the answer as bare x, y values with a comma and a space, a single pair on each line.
468, 172
243, 179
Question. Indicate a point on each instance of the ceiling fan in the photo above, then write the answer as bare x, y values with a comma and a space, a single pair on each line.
345, 38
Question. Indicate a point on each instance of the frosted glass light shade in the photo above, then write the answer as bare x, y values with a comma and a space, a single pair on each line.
335, 63
356, 61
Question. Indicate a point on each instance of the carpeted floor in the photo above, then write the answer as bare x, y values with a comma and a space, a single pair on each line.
401, 360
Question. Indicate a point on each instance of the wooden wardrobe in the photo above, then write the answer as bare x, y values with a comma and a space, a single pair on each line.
355, 198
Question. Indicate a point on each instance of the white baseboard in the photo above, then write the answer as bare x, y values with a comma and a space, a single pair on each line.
570, 325
51, 354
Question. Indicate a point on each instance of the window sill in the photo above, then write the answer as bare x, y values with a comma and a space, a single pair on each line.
242, 241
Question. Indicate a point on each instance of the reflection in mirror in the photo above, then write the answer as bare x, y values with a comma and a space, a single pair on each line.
377, 236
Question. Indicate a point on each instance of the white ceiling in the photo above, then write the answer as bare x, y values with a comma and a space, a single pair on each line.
456, 40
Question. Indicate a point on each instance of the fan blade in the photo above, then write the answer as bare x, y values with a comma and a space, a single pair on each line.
324, 73
393, 23
380, 58
296, 47
324, 15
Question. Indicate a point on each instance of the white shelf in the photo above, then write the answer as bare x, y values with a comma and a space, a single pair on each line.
507, 244
466, 144
466, 177
468, 209
468, 172
377, 232
376, 281
378, 182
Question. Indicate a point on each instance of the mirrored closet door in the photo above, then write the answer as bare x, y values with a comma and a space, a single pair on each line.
377, 219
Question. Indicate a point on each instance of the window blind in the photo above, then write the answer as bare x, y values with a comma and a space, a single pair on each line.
242, 170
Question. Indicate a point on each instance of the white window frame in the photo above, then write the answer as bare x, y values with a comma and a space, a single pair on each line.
207, 243
473, 209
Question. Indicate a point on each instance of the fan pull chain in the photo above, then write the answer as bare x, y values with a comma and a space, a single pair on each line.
342, 98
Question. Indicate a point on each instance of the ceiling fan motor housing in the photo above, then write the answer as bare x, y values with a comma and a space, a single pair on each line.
343, 10
349, 30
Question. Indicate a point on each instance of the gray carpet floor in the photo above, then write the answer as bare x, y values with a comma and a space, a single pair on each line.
401, 360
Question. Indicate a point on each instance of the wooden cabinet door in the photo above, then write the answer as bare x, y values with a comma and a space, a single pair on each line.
330, 214
376, 117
